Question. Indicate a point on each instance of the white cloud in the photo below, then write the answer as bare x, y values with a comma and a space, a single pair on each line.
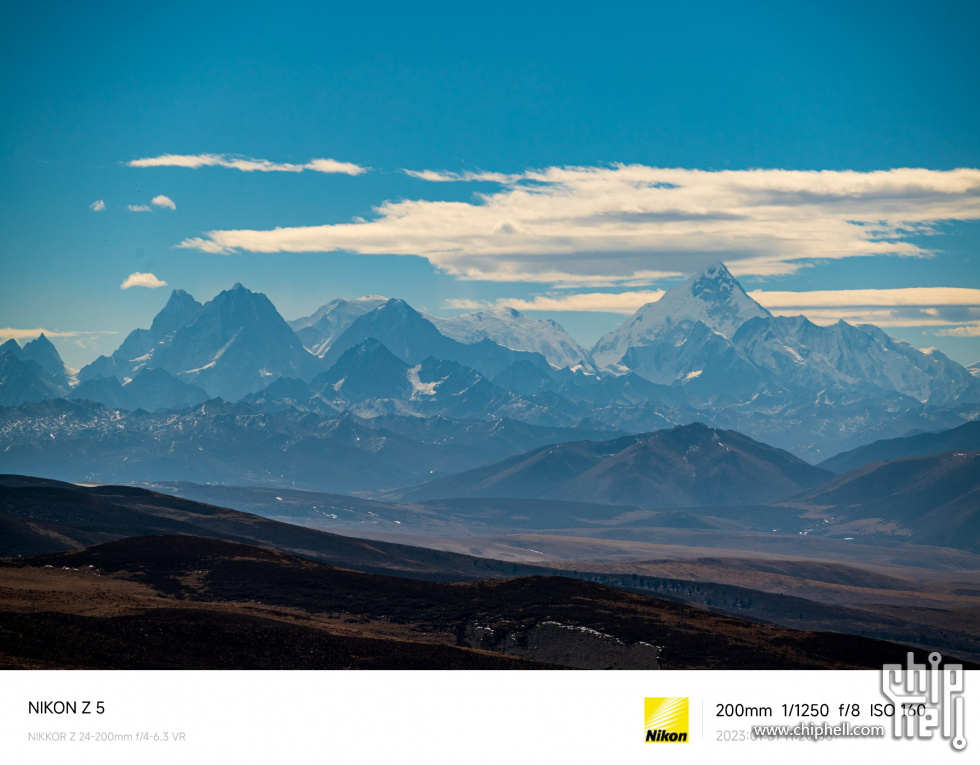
11, 333
247, 164
333, 166
97, 206
205, 245
446, 177
136, 279
614, 224
971, 330
916, 306
911, 296
162, 201
606, 302
468, 304
139, 208
881, 317
909, 307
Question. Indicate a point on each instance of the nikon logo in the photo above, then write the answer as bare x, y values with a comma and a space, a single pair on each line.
659, 736
666, 720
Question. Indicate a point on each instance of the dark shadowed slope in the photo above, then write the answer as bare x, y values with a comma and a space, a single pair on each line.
182, 602
966, 438
931, 500
50, 516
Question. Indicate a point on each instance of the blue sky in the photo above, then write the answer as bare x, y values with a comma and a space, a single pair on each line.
580, 159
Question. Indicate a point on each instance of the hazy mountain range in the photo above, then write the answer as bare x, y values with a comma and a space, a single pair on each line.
705, 352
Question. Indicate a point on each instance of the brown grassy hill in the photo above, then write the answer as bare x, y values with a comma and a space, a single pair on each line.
932, 500
50, 516
185, 602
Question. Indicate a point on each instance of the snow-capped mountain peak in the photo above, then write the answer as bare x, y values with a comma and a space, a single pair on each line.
713, 296
512, 329
320, 329
41, 350
181, 309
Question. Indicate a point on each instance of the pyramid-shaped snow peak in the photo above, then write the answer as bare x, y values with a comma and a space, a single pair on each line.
712, 296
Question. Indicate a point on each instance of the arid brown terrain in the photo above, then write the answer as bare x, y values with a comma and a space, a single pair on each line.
126, 577
187, 602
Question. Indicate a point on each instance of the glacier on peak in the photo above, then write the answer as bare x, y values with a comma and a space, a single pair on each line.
512, 329
713, 297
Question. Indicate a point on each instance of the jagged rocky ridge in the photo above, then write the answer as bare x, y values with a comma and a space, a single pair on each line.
704, 352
